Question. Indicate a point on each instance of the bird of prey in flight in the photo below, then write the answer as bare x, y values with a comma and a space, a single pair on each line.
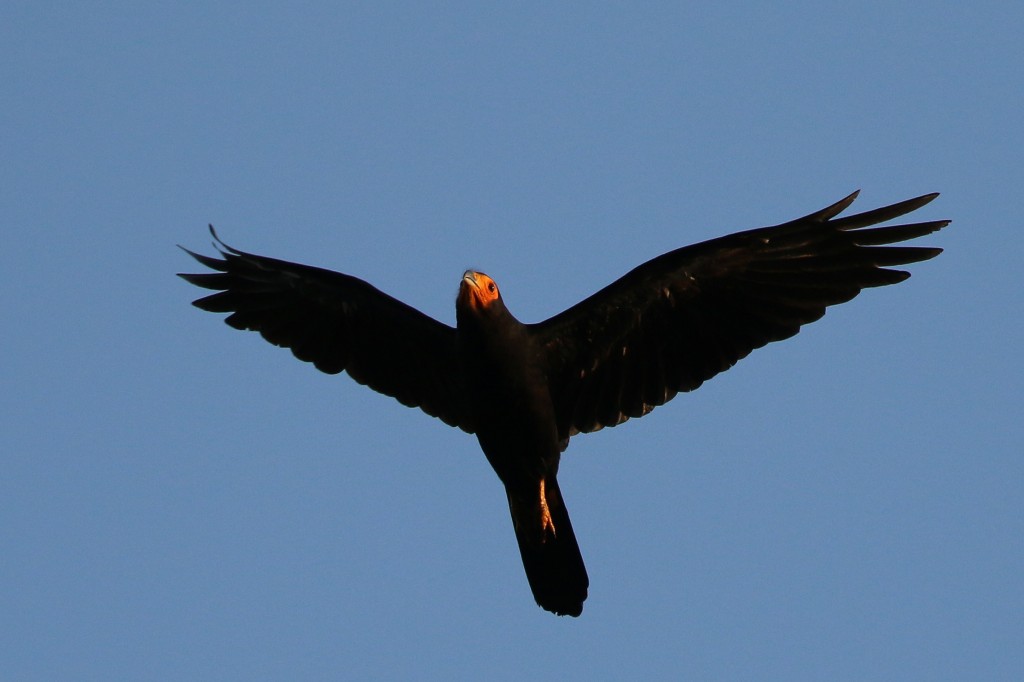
525, 389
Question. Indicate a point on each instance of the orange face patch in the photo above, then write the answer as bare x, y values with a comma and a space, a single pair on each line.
478, 290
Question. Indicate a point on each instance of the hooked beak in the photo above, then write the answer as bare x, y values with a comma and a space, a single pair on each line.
468, 288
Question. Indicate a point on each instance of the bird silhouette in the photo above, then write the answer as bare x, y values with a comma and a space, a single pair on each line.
525, 389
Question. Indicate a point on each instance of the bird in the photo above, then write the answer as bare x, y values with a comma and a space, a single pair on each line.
523, 389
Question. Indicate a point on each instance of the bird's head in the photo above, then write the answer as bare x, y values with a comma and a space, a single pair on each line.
477, 292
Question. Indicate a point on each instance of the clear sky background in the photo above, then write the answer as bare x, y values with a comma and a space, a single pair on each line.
179, 500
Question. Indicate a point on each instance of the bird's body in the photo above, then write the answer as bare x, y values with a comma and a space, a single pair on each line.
517, 431
526, 389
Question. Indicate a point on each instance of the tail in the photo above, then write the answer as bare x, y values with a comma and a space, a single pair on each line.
551, 557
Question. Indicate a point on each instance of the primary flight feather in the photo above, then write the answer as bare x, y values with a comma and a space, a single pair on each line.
524, 389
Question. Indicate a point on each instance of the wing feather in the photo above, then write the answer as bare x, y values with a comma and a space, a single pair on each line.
339, 323
683, 317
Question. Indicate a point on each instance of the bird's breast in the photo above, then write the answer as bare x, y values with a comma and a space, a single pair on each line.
513, 414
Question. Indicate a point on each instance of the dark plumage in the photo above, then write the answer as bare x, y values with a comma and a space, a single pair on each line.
525, 389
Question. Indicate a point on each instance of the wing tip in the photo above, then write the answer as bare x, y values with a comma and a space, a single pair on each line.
916, 202
208, 261
835, 209
211, 262
220, 244
886, 213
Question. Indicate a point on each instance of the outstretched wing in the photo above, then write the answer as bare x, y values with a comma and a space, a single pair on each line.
683, 317
339, 323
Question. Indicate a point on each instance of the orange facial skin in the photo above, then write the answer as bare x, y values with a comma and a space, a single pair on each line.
478, 291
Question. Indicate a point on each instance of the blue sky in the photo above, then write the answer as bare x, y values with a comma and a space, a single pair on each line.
180, 500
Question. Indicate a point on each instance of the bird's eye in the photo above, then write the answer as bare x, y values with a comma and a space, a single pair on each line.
491, 288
